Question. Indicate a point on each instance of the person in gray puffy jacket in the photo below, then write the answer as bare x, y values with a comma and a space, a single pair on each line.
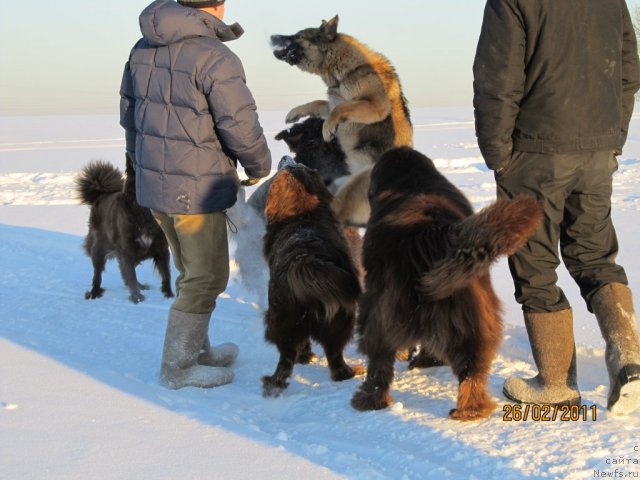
189, 118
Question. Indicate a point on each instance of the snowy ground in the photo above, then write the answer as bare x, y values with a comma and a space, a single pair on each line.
79, 393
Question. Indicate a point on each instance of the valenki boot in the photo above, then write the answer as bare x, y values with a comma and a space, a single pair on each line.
219, 356
183, 343
613, 306
554, 352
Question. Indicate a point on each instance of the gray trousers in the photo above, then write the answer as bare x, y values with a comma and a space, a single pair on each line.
576, 189
201, 254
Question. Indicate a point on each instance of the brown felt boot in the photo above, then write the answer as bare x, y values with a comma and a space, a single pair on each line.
183, 342
613, 307
554, 351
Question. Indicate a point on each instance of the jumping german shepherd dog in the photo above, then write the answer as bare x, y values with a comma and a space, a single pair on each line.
366, 109
313, 286
427, 258
119, 227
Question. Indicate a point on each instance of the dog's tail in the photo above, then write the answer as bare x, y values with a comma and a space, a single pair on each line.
314, 281
478, 240
97, 179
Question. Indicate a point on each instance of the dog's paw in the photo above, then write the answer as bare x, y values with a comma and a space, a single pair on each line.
346, 372
94, 293
136, 297
272, 387
423, 360
371, 398
294, 115
144, 286
468, 415
329, 130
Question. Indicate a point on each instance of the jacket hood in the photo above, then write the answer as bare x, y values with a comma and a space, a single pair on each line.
165, 22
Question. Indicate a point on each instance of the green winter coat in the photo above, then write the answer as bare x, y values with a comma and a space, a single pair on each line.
554, 76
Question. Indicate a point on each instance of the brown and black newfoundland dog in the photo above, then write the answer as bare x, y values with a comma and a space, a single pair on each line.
427, 258
313, 285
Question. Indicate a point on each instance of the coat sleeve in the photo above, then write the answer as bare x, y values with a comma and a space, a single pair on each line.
234, 112
630, 72
498, 80
127, 109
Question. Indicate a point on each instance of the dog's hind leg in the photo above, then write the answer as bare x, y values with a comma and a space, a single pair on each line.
99, 260
374, 393
473, 361
474, 401
128, 272
274, 385
333, 338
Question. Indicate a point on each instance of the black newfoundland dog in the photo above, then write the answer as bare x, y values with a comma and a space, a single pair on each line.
427, 258
313, 285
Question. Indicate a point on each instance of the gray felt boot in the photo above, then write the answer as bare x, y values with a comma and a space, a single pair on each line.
554, 351
219, 356
613, 306
183, 343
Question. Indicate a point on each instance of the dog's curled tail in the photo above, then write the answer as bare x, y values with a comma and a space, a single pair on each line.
97, 179
478, 240
313, 281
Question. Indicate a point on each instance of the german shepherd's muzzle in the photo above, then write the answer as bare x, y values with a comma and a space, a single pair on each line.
287, 48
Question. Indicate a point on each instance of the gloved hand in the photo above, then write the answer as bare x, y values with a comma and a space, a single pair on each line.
249, 182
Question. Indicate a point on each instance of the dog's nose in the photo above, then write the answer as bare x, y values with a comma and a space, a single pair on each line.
280, 40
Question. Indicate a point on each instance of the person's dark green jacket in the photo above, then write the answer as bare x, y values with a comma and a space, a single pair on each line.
554, 76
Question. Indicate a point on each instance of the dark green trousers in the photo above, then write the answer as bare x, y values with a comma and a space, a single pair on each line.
577, 226
201, 254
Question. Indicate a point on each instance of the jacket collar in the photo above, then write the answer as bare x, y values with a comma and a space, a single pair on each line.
164, 22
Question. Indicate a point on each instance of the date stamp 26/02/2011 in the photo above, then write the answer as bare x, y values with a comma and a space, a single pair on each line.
548, 413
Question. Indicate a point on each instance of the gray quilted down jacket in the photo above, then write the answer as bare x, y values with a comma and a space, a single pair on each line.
188, 114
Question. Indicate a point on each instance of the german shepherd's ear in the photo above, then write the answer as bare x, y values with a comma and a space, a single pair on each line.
330, 29
282, 135
290, 138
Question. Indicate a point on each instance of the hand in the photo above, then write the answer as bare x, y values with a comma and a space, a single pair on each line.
249, 182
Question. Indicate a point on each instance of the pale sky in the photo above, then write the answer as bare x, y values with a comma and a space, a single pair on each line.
67, 56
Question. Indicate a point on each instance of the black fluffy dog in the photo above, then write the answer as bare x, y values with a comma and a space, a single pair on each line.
119, 227
304, 139
427, 258
313, 285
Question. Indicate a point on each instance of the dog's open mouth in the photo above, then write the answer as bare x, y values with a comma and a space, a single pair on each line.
285, 49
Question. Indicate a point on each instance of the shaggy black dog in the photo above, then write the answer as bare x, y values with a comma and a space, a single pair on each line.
427, 258
313, 285
304, 139
119, 227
